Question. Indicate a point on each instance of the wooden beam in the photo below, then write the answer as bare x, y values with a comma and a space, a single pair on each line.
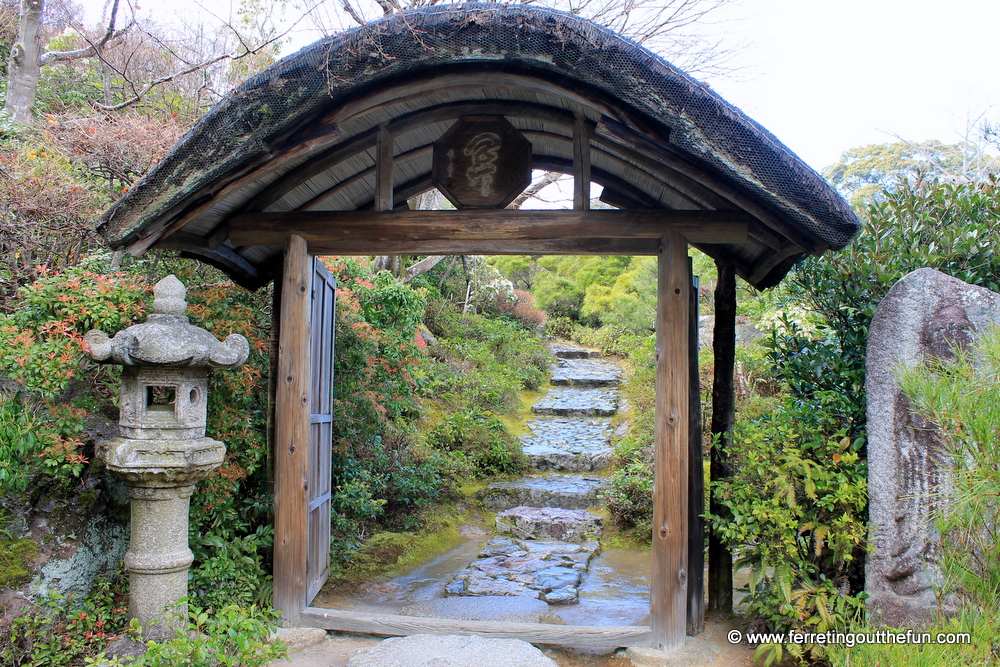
292, 434
322, 160
581, 164
383, 170
668, 590
374, 232
535, 633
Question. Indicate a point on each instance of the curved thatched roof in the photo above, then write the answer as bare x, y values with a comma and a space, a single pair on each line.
300, 136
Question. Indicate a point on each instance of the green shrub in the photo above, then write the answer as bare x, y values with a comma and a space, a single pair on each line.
487, 361
798, 493
58, 631
230, 567
233, 635
478, 442
614, 340
560, 327
629, 495
795, 506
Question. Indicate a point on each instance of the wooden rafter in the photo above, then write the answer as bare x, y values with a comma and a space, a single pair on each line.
621, 134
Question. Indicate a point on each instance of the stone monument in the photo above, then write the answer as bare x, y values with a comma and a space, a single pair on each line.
162, 452
926, 313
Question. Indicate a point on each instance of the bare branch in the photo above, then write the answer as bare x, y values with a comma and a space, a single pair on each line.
93, 48
350, 11
245, 50
532, 190
170, 77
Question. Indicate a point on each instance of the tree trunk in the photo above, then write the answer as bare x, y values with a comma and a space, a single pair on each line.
24, 66
423, 266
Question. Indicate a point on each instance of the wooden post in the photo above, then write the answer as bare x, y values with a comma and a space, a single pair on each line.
581, 165
383, 171
720, 560
668, 603
292, 434
696, 476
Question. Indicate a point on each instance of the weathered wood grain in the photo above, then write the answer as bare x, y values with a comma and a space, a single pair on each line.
292, 433
535, 633
696, 475
581, 164
668, 590
481, 162
720, 559
383, 170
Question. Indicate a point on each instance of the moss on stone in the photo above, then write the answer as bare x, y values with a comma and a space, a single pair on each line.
390, 554
15, 561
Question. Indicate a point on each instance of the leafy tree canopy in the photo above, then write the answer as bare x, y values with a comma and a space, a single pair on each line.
864, 172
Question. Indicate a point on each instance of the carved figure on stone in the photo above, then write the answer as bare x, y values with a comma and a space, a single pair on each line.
926, 314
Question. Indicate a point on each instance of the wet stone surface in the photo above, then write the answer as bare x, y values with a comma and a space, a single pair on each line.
574, 444
545, 569
533, 523
517, 609
578, 402
566, 491
586, 373
570, 351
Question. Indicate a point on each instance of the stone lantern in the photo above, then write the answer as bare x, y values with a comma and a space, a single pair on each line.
162, 452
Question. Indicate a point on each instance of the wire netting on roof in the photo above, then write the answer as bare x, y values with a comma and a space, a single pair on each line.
243, 127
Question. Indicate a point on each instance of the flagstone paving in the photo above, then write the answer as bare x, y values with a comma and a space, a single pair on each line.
545, 540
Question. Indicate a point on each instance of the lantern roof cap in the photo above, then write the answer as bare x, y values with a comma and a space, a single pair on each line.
167, 338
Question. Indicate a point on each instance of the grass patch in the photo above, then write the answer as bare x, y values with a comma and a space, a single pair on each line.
389, 554
981, 650
515, 421
613, 536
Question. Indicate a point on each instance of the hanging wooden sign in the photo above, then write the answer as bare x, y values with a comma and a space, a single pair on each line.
482, 162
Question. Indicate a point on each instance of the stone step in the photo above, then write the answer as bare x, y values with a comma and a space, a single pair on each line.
585, 373
570, 351
448, 651
564, 491
572, 444
540, 553
578, 402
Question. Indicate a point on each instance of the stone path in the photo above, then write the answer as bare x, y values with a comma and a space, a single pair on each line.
544, 544
538, 552
545, 540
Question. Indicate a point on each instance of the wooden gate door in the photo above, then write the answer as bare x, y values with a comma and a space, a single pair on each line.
322, 316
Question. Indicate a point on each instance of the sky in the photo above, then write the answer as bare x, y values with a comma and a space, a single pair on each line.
827, 76
824, 77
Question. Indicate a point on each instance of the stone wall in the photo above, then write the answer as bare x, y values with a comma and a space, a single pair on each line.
926, 313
